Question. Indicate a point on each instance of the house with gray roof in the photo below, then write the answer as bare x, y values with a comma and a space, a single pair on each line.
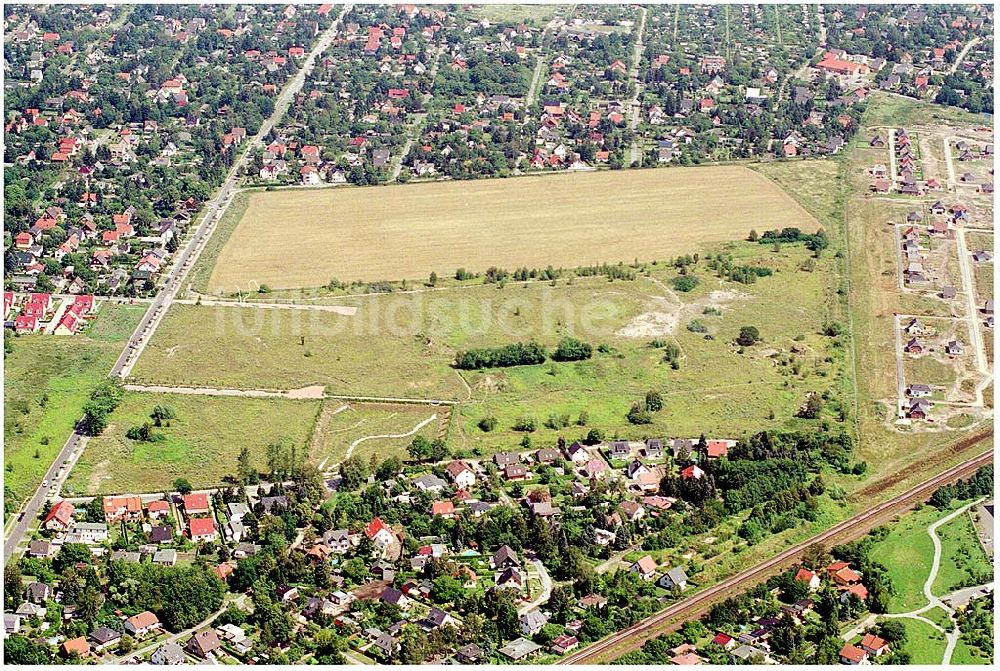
675, 577
519, 649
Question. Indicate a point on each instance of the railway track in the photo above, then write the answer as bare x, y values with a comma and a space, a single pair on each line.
855, 527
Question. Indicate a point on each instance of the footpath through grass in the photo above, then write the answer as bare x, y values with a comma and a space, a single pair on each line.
907, 551
47, 380
963, 561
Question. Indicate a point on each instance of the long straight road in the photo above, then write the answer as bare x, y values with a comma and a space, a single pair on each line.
636, 106
182, 265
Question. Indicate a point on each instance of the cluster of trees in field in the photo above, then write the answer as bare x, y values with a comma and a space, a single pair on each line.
161, 415
103, 401
980, 484
522, 354
725, 267
816, 242
642, 411
515, 354
495, 275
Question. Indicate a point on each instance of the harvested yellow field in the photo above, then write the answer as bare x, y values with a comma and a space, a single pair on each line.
303, 238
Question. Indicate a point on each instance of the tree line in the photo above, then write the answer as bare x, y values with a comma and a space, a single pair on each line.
522, 354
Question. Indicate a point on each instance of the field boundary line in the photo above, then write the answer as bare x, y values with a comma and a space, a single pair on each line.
278, 393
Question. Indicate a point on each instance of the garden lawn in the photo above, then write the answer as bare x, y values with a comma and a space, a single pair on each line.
940, 617
907, 552
201, 445
924, 643
65, 369
964, 654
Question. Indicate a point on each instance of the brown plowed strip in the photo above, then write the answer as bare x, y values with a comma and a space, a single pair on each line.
958, 447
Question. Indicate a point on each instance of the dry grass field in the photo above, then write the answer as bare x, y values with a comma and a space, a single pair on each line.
303, 238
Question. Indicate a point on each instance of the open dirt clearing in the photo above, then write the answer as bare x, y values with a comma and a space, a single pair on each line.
303, 238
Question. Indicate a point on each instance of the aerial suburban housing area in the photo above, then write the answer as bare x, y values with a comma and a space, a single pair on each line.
498, 334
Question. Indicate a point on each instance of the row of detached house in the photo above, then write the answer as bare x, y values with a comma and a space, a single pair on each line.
116, 256
30, 313
750, 641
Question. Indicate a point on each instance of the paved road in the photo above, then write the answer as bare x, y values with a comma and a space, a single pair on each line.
962, 53
546, 592
897, 329
634, 75
181, 266
33, 507
948, 163
962, 597
975, 323
631, 638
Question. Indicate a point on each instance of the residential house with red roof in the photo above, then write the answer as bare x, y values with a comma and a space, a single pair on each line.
380, 533
59, 517
117, 508
645, 568
808, 577
196, 504
853, 655
202, 529
142, 624
874, 645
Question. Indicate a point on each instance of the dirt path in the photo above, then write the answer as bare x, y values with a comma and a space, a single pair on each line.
322, 424
346, 310
536, 76
350, 449
314, 392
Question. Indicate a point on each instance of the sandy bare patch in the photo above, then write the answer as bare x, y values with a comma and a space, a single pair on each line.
314, 391
668, 311
98, 475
